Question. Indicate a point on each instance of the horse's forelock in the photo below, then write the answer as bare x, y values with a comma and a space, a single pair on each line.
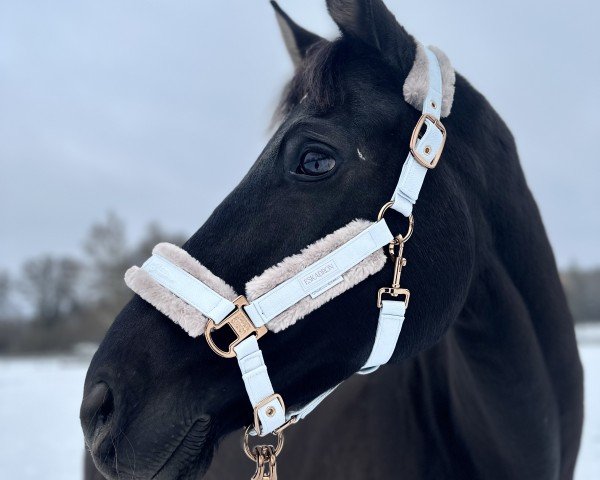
316, 80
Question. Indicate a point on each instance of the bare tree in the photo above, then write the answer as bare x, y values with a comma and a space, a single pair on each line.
107, 255
53, 289
51, 286
110, 256
106, 245
6, 308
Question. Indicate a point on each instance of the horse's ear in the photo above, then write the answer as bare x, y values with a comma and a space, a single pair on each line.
297, 39
370, 22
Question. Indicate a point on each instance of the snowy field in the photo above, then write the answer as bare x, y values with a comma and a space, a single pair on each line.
40, 436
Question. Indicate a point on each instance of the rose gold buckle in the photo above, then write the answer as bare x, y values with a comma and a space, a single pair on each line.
240, 324
415, 137
270, 412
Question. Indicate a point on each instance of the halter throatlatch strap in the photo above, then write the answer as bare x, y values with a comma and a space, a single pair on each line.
200, 302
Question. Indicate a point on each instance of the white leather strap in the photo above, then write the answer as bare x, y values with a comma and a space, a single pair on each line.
321, 274
188, 288
427, 147
301, 413
433, 101
389, 325
391, 318
271, 413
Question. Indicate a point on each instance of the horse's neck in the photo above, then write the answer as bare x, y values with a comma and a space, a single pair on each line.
508, 365
516, 290
512, 351
519, 277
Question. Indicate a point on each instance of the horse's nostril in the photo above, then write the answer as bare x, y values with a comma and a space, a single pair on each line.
107, 408
96, 410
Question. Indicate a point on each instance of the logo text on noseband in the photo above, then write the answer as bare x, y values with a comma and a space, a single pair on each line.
319, 276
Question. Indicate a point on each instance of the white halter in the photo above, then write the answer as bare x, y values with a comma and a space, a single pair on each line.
249, 320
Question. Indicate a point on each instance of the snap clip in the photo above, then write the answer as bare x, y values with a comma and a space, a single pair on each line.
265, 457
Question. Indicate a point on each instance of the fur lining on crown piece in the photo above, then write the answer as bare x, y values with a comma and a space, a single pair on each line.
183, 314
417, 81
294, 264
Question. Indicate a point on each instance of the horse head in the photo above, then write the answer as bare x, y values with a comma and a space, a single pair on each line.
156, 401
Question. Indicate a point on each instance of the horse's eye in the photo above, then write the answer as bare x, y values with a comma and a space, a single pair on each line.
315, 163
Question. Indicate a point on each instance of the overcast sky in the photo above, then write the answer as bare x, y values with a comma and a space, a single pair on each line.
155, 109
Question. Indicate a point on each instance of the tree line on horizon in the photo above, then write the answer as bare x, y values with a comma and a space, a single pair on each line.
71, 300
58, 302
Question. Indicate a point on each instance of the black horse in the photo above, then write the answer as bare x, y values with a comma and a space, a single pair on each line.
485, 381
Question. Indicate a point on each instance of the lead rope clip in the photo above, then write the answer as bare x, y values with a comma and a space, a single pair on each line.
396, 253
266, 463
265, 456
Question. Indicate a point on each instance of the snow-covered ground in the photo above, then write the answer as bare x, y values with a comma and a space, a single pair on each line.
40, 436
39, 404
588, 465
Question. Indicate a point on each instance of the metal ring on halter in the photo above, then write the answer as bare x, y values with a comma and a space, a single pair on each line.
249, 452
411, 223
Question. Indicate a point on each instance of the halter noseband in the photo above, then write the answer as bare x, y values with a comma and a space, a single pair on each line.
179, 286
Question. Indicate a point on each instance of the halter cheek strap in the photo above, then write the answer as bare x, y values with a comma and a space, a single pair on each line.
187, 292
269, 408
425, 150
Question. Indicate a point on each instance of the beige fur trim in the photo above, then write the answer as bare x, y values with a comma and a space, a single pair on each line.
186, 316
290, 266
417, 81
183, 314
193, 322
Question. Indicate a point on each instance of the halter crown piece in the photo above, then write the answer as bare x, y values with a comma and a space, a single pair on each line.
200, 302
